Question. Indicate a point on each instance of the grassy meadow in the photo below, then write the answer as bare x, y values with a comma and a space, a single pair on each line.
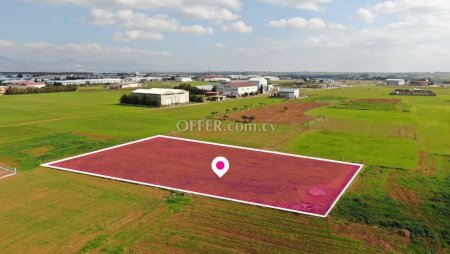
398, 204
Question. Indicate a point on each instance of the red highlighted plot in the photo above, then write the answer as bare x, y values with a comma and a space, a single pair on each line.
270, 179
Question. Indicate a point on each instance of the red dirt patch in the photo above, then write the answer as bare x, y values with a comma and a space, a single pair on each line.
286, 113
427, 163
259, 177
395, 101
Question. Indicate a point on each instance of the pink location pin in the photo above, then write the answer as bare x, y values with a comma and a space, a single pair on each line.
220, 166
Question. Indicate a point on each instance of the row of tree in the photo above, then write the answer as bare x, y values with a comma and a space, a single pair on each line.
191, 89
134, 99
46, 89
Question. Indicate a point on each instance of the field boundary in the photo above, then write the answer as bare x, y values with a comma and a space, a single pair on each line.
12, 171
360, 166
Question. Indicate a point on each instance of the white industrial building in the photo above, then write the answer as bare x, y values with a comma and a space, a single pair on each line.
236, 89
289, 93
258, 82
142, 79
207, 88
165, 97
87, 81
272, 78
184, 79
396, 82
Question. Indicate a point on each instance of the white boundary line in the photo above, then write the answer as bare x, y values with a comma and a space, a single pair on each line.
49, 165
12, 173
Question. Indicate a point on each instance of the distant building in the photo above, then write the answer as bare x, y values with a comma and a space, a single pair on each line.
87, 81
25, 84
2, 90
395, 82
289, 93
165, 97
206, 87
125, 85
272, 78
259, 82
323, 80
184, 79
236, 89
103, 81
216, 79
419, 82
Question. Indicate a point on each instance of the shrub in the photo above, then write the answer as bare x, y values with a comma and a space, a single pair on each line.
192, 89
195, 98
138, 100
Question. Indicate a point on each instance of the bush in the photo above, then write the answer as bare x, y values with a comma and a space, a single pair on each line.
192, 89
138, 100
195, 98
46, 89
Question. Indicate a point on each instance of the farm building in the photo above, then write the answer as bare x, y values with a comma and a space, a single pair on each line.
258, 82
236, 89
165, 97
206, 87
289, 93
184, 79
395, 82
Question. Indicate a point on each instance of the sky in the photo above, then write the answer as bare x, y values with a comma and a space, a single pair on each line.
233, 35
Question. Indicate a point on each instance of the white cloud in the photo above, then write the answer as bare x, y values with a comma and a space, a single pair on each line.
140, 26
310, 5
365, 15
5, 43
298, 23
129, 19
137, 35
89, 50
238, 26
196, 30
337, 26
197, 9
219, 45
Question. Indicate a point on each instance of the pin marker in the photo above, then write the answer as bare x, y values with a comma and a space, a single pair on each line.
220, 166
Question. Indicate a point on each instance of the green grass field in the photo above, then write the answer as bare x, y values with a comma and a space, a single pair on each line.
404, 186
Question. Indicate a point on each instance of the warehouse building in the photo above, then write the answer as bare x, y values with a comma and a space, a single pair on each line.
289, 93
165, 97
236, 89
184, 79
395, 82
259, 82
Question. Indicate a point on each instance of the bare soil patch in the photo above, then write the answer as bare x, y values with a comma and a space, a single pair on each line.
38, 151
286, 113
97, 137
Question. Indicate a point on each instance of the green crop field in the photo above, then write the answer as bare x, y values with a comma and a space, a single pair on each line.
400, 202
